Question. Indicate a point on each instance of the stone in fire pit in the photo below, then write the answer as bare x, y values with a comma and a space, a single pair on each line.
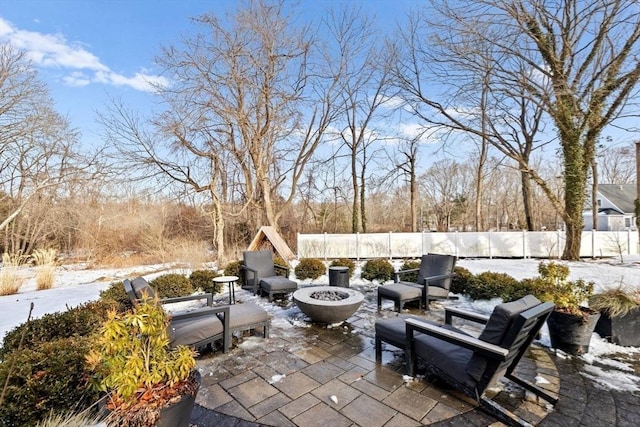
325, 304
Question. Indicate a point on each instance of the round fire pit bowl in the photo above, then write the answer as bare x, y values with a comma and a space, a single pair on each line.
328, 304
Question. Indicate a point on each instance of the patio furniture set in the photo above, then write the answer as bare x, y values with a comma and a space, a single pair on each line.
468, 363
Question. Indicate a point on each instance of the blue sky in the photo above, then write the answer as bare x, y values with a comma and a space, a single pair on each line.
89, 50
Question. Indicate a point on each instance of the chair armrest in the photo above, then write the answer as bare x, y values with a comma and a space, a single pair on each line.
451, 312
282, 268
398, 273
208, 297
438, 277
205, 311
490, 350
249, 270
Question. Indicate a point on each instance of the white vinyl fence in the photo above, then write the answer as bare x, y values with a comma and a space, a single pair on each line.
511, 244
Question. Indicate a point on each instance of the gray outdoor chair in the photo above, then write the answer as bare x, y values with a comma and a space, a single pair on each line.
432, 283
203, 326
471, 364
260, 274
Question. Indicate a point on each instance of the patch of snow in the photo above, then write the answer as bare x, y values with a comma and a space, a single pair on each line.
276, 378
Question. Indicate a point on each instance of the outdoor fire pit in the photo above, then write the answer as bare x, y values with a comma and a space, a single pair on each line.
328, 304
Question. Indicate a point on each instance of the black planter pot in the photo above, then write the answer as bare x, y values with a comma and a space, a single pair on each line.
621, 330
570, 333
179, 413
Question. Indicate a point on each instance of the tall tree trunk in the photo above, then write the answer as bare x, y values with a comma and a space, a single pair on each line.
594, 195
527, 200
355, 214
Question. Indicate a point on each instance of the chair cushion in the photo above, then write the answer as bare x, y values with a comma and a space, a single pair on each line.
449, 358
436, 265
398, 291
246, 314
502, 317
278, 283
141, 287
438, 292
495, 330
393, 330
192, 330
261, 261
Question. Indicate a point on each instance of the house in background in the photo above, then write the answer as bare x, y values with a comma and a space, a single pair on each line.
616, 210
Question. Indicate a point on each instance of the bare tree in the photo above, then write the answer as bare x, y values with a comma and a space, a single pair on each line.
364, 83
617, 163
576, 61
39, 154
251, 99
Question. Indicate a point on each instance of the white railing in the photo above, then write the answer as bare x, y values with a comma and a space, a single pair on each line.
511, 244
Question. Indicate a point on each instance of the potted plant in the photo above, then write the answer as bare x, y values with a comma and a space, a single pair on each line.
147, 382
571, 324
620, 316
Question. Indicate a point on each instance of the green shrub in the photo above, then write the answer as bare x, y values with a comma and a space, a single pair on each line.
277, 260
410, 264
459, 281
344, 262
377, 269
116, 293
552, 285
203, 279
82, 320
171, 285
234, 268
489, 284
310, 268
51, 376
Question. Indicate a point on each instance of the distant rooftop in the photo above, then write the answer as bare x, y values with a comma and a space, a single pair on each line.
621, 195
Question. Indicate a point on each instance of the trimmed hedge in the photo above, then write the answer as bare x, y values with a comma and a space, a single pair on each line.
172, 285
377, 269
203, 279
234, 268
116, 293
410, 264
460, 280
50, 377
489, 284
310, 268
82, 320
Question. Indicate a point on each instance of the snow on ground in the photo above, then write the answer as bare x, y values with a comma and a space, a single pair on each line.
608, 365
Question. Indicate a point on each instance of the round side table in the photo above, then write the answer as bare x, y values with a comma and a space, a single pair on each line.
231, 281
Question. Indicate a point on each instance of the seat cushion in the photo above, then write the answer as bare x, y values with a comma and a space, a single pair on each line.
496, 329
393, 330
193, 330
398, 291
278, 284
246, 314
438, 292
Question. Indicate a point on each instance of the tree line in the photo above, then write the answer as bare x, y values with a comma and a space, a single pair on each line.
333, 126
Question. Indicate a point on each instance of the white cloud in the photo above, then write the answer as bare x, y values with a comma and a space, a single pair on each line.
84, 68
76, 79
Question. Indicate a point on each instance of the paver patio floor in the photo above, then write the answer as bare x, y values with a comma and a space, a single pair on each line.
313, 375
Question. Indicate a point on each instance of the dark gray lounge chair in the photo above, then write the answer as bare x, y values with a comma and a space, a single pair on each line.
474, 364
433, 282
260, 274
203, 326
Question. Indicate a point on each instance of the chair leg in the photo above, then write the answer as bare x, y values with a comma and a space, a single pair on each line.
379, 301
378, 350
398, 305
501, 413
